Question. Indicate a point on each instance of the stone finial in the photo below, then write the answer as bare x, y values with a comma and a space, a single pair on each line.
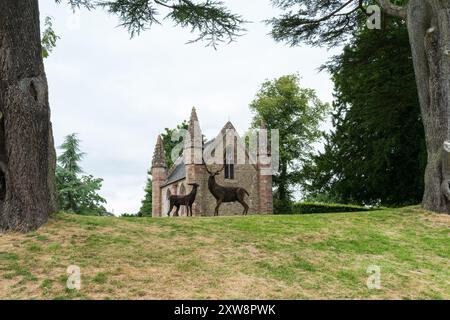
159, 156
195, 133
193, 115
193, 122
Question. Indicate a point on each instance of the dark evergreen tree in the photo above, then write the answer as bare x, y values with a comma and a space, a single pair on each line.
377, 153
146, 204
76, 193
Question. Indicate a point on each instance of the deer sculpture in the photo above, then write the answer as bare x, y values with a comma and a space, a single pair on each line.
225, 194
187, 200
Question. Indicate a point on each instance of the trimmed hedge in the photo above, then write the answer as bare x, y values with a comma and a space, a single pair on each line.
315, 207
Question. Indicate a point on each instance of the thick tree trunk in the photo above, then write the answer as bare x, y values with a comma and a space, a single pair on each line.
27, 154
429, 28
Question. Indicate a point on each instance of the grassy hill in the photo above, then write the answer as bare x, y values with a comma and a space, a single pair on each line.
253, 257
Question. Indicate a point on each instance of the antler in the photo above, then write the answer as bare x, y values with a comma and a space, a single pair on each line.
223, 167
207, 170
206, 166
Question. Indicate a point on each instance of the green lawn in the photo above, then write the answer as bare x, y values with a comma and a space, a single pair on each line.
255, 257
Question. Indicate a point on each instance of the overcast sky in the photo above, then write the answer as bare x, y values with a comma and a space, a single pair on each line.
119, 93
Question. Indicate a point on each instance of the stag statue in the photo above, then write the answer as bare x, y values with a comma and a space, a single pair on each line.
225, 194
187, 200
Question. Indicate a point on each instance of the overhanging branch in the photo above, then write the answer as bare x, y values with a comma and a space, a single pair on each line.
328, 16
392, 9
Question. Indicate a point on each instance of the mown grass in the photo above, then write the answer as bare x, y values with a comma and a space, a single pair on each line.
255, 257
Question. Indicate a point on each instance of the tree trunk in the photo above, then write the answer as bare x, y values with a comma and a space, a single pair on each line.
282, 183
429, 29
27, 154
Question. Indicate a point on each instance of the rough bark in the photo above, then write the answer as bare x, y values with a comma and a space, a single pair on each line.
429, 30
26, 143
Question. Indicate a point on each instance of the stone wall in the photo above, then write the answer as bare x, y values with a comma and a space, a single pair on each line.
246, 176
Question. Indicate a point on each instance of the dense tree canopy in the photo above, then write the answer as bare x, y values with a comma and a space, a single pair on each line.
377, 154
296, 112
172, 138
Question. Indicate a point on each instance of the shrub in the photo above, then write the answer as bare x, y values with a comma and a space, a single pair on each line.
282, 206
317, 207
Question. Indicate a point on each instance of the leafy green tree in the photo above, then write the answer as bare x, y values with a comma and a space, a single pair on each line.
329, 22
77, 193
296, 112
170, 145
377, 153
146, 204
